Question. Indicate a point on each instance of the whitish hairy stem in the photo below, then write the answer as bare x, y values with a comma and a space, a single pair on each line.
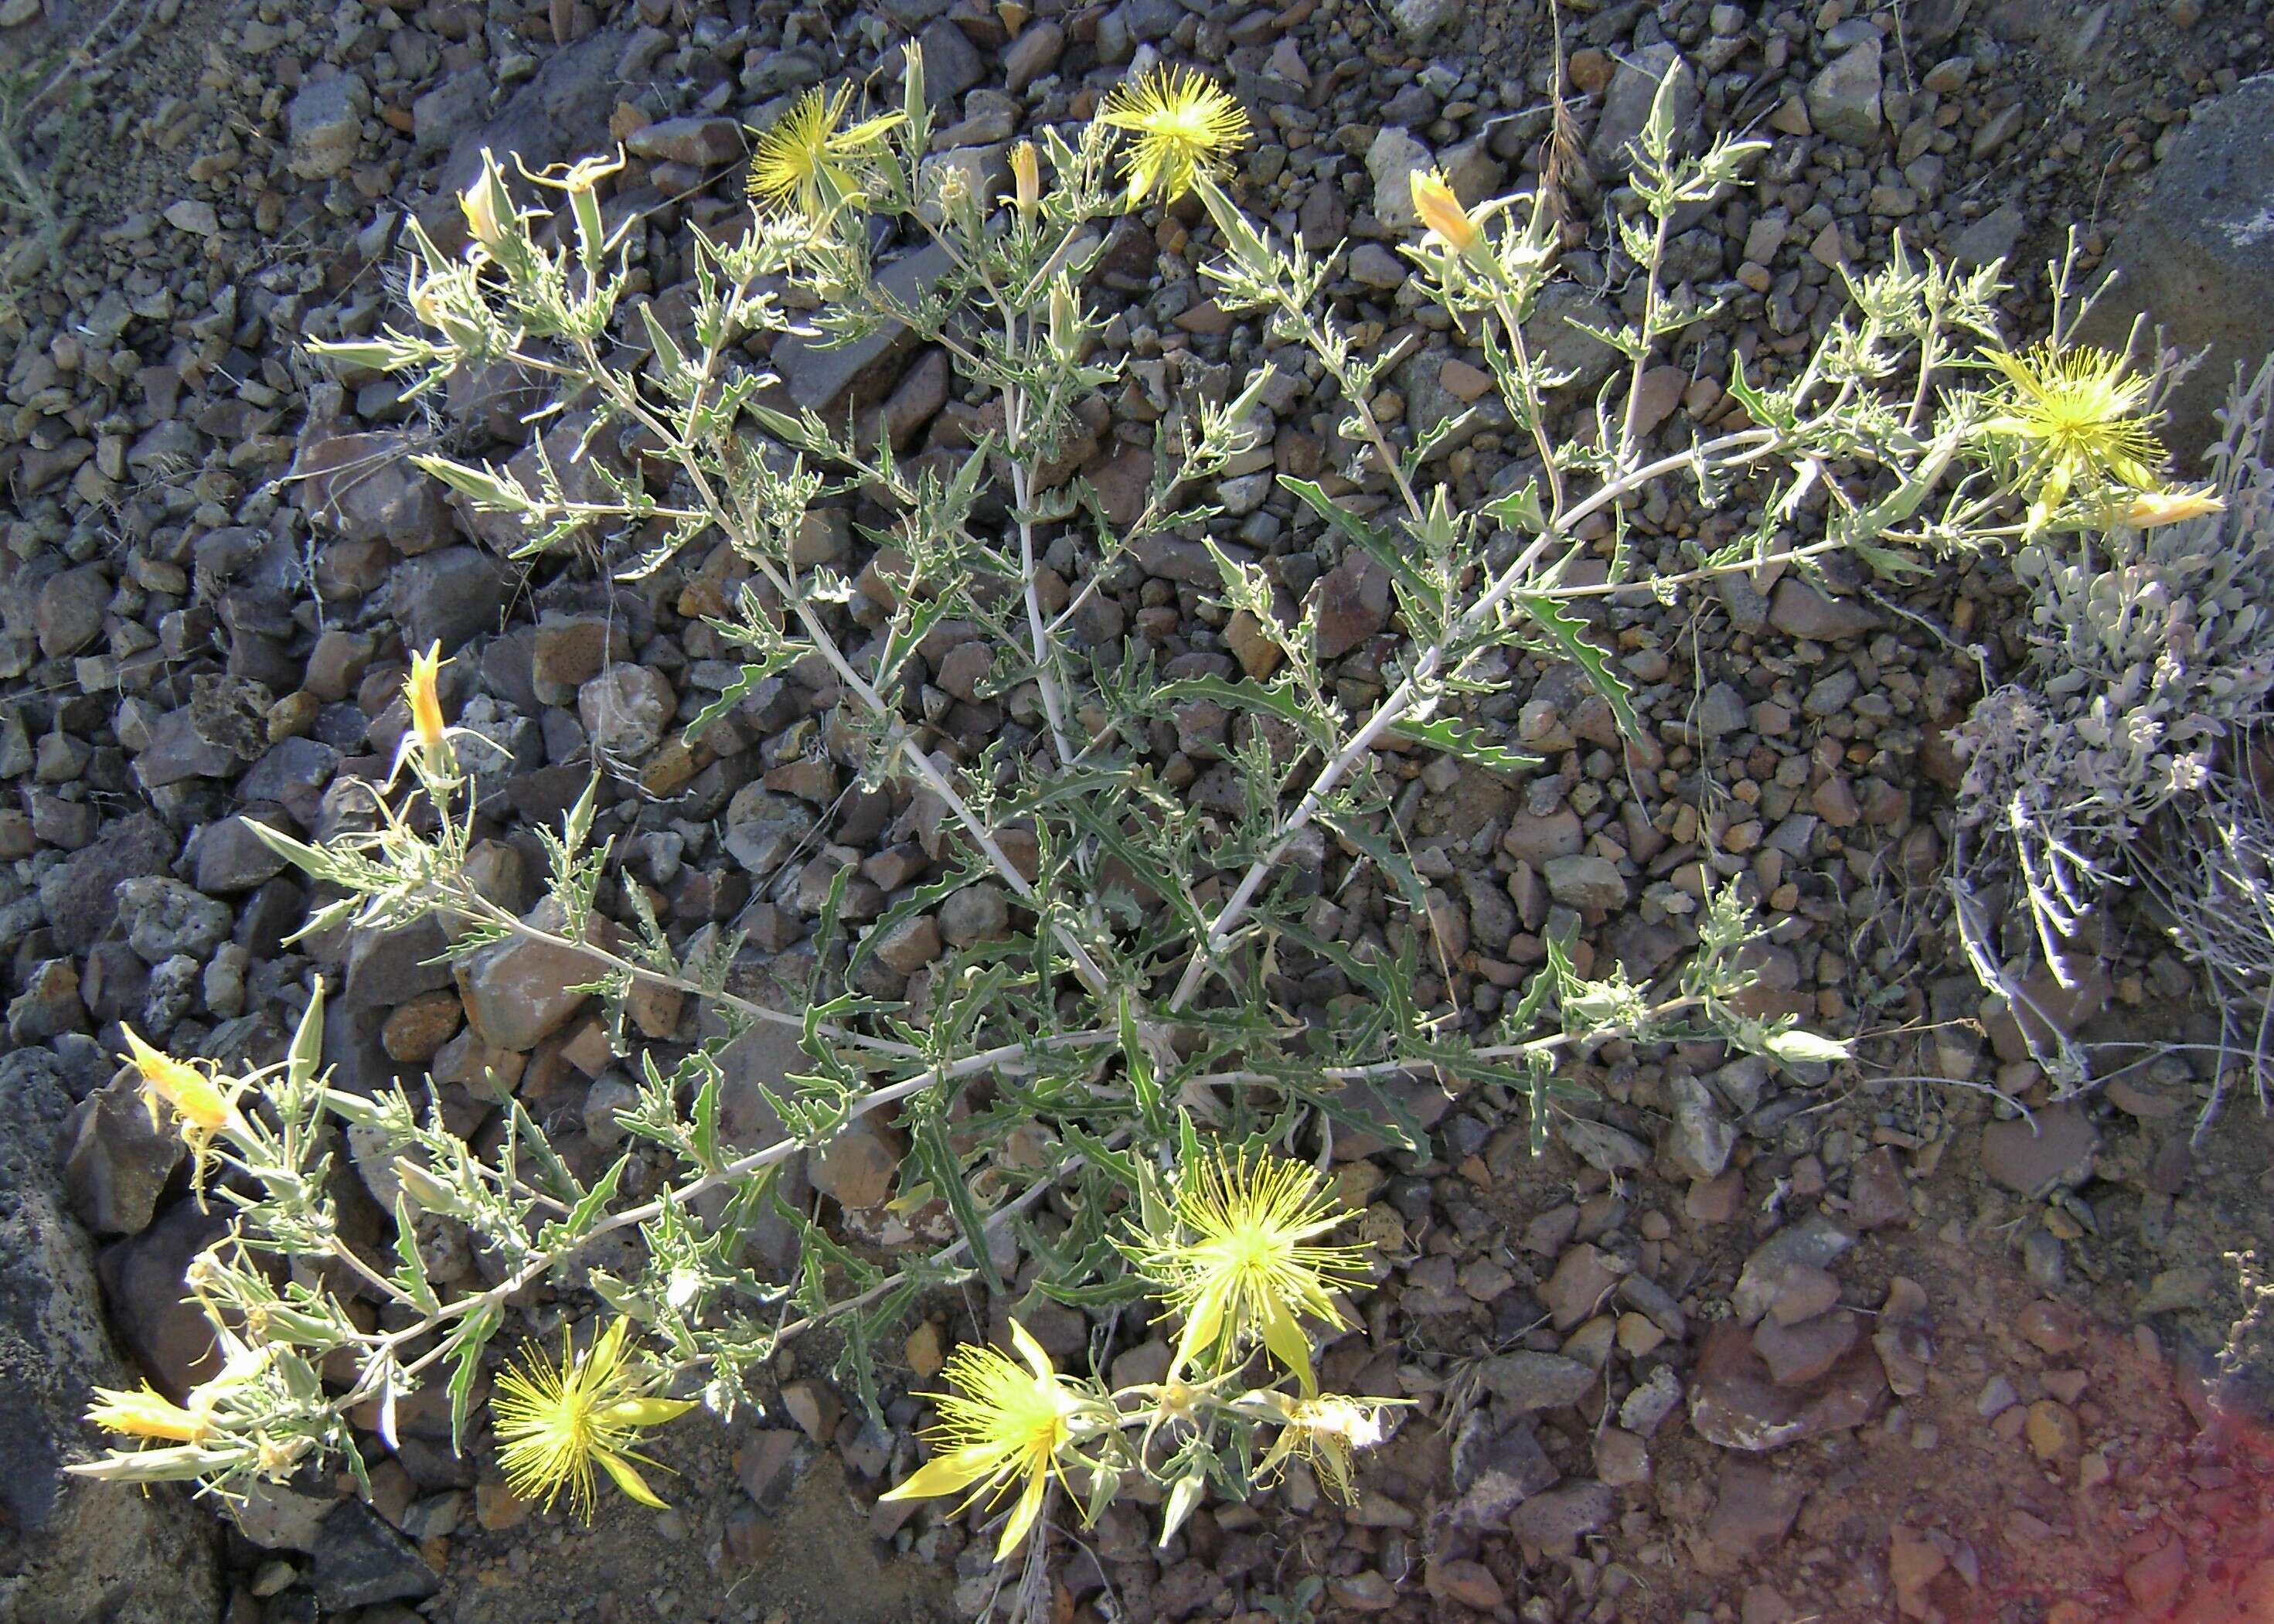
479, 909
825, 644
1650, 303
1754, 443
1535, 411
1547, 1044
1005, 1056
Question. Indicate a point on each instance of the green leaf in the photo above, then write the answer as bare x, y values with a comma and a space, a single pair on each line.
1144, 1088
412, 1276
1519, 510
1387, 857
753, 672
939, 1158
1467, 743
1378, 545
464, 1351
1567, 631
1273, 700
922, 899
667, 348
587, 1212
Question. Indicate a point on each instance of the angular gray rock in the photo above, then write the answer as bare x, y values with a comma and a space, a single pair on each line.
70, 1551
1843, 99
2197, 256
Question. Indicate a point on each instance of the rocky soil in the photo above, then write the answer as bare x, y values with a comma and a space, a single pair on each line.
1732, 1349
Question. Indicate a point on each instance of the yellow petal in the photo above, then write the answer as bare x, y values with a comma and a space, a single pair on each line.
628, 1479
1441, 210
418, 690
945, 1474
1203, 1325
646, 1411
1023, 1515
1031, 1350
1284, 1338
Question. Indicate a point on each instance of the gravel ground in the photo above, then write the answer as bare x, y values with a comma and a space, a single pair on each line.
1733, 1349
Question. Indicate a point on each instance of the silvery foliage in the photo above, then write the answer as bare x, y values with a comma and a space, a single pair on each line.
2121, 754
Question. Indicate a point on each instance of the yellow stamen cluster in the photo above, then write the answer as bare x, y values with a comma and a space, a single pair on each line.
806, 159
2073, 419
1186, 126
1237, 1258
1001, 1425
555, 1422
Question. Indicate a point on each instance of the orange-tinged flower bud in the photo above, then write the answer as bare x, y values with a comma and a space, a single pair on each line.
1442, 211
418, 690
1026, 177
2149, 508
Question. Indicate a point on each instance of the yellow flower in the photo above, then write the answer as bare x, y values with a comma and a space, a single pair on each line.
203, 1102
1442, 211
147, 1413
1001, 1425
1025, 178
1186, 126
1324, 1431
420, 694
1236, 1260
2071, 416
2149, 508
807, 159
195, 1097
553, 1422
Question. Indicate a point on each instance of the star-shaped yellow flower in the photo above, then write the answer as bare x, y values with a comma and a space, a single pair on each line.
1186, 126
1000, 1425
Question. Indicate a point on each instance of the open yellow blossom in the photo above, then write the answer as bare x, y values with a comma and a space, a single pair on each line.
1000, 1425
146, 1413
196, 1098
203, 1102
2072, 419
805, 159
421, 694
1186, 126
1441, 210
555, 1422
1324, 1431
1235, 1257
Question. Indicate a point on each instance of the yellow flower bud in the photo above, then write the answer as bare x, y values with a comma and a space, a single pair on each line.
1027, 177
418, 691
147, 1413
1442, 211
2149, 508
478, 203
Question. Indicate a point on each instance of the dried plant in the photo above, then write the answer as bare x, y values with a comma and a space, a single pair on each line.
2125, 751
